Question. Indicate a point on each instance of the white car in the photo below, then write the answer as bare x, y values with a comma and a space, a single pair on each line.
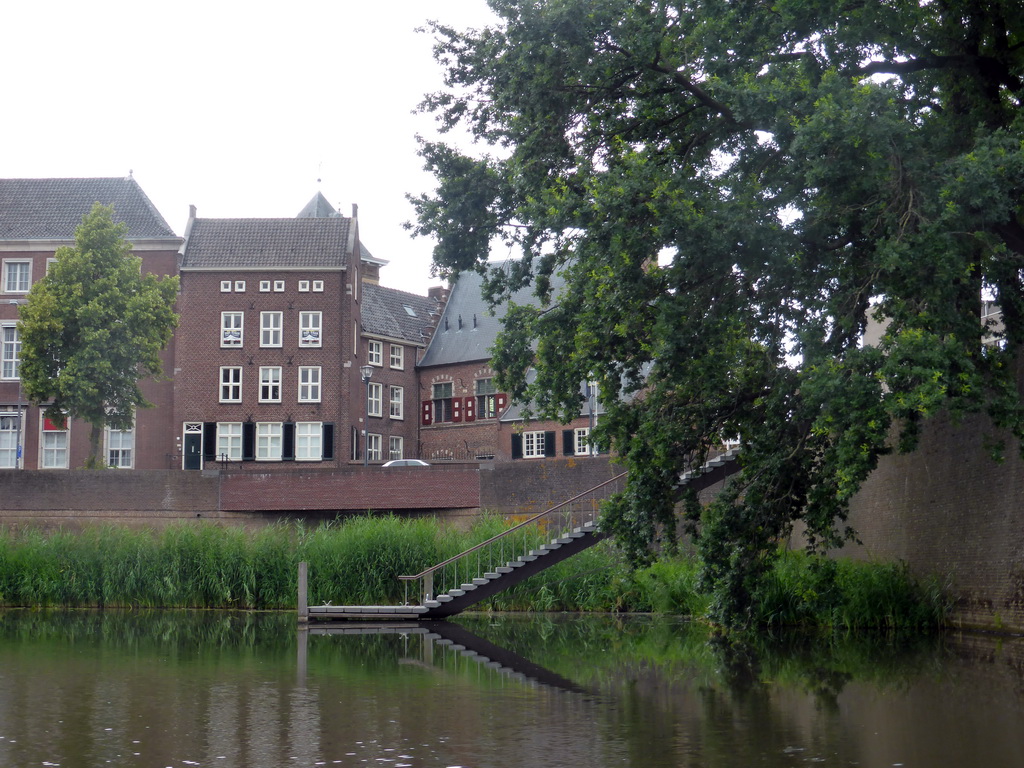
404, 463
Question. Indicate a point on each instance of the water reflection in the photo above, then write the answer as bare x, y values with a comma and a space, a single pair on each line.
218, 689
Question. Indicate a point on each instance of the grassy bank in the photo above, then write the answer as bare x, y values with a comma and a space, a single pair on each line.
358, 562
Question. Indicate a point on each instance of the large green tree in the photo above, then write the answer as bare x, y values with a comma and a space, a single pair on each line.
730, 190
93, 327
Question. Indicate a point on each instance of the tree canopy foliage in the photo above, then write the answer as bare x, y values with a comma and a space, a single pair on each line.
730, 190
93, 327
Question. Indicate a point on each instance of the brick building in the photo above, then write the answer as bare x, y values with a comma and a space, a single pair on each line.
462, 413
38, 216
289, 353
279, 319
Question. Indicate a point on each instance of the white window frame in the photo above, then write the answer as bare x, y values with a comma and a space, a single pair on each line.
581, 441
264, 286
311, 328
396, 402
10, 432
123, 442
396, 357
53, 456
375, 353
374, 399
271, 335
373, 446
442, 401
533, 445
270, 384
239, 286
231, 384
310, 379
318, 286
229, 323
486, 394
309, 441
10, 352
396, 447
278, 286
303, 286
8, 271
225, 286
269, 440
229, 441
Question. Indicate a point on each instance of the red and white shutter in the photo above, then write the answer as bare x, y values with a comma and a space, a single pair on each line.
456, 409
471, 408
427, 413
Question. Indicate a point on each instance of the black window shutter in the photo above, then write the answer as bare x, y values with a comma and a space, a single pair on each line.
549, 444
568, 442
210, 441
328, 441
248, 441
517, 446
288, 441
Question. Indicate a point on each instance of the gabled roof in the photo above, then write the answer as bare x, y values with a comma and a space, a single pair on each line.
268, 244
395, 314
318, 208
467, 330
51, 209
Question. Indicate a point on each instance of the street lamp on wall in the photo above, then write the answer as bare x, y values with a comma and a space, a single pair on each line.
366, 372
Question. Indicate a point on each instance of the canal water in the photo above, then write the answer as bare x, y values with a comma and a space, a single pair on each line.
227, 690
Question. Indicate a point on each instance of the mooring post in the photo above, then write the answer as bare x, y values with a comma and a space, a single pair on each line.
303, 596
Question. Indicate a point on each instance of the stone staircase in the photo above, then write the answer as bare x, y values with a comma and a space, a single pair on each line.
512, 556
512, 572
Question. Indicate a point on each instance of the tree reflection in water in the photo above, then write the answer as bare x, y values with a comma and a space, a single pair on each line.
233, 689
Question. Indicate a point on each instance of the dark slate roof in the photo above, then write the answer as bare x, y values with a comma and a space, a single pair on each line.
51, 209
365, 255
383, 312
267, 243
473, 337
318, 208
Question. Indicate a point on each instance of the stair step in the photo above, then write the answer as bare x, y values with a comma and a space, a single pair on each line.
480, 581
492, 575
562, 540
456, 592
526, 559
550, 546
444, 598
504, 569
516, 564
432, 603
468, 587
535, 553
577, 534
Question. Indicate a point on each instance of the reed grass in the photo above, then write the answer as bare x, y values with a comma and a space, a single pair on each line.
358, 560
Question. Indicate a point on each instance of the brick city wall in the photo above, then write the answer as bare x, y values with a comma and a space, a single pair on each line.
394, 489
949, 510
530, 486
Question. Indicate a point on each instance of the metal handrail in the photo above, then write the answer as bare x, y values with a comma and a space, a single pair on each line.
428, 573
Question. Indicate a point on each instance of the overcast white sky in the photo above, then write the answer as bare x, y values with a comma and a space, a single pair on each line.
236, 107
